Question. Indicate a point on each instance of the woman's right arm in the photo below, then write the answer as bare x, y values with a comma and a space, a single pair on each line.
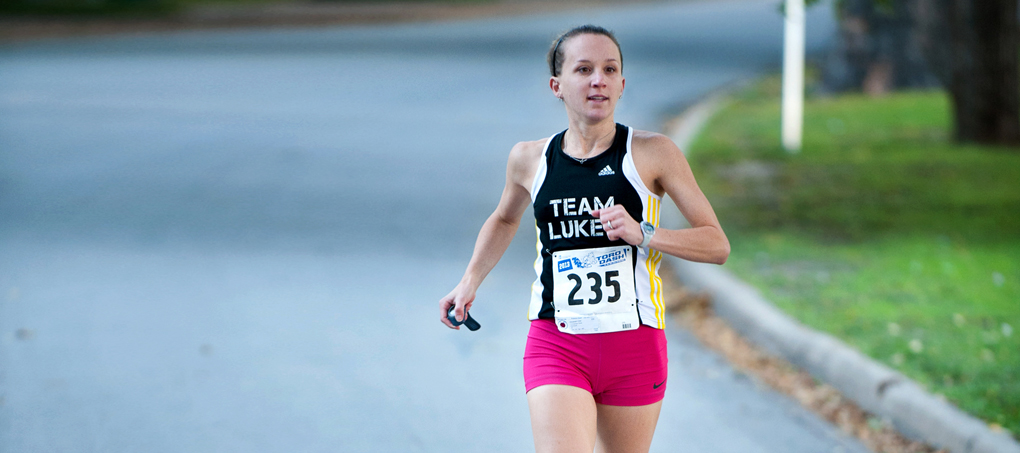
497, 231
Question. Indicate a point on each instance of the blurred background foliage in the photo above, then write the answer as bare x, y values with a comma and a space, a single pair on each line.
969, 48
89, 7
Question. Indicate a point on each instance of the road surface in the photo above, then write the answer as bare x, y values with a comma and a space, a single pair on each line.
236, 241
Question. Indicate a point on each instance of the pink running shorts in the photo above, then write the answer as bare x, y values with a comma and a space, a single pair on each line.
619, 368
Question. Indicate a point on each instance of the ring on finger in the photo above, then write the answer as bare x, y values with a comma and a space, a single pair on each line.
610, 223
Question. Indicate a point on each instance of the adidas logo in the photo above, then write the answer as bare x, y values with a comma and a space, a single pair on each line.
607, 171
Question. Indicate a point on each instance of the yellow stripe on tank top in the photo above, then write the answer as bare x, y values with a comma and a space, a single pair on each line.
651, 264
658, 221
655, 286
658, 291
648, 262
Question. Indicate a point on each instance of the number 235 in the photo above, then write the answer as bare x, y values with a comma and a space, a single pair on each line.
596, 287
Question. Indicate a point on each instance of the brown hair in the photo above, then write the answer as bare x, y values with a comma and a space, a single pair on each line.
555, 56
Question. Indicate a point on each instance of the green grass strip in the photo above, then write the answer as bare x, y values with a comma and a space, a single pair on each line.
880, 232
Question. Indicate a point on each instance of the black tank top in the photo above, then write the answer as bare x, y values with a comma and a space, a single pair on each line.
569, 191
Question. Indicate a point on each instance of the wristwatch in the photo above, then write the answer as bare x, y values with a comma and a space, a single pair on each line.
647, 230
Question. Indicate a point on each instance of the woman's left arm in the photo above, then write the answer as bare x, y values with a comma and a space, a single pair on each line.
661, 163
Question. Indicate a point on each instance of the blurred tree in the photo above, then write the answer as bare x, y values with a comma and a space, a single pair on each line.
968, 46
971, 46
878, 49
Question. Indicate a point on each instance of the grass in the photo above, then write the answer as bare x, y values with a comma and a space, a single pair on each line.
881, 232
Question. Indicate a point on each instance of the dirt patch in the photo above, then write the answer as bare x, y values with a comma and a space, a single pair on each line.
693, 312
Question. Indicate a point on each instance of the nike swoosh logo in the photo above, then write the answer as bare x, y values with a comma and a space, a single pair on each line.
656, 386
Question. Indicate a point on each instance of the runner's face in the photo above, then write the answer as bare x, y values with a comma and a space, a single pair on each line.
591, 80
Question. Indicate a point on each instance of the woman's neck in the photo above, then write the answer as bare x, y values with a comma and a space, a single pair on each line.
585, 141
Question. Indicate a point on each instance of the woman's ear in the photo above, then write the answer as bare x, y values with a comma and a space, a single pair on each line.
554, 85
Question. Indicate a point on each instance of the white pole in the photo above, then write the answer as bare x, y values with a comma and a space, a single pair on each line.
793, 76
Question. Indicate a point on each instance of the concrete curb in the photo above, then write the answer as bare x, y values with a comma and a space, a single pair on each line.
875, 387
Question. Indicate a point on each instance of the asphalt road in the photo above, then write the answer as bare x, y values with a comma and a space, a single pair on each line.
236, 241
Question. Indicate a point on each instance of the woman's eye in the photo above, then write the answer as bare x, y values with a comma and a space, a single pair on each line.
584, 70
610, 69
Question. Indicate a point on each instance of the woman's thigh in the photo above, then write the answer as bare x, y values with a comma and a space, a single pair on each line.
563, 419
626, 429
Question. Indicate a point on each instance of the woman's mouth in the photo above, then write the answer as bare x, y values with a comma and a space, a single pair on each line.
598, 97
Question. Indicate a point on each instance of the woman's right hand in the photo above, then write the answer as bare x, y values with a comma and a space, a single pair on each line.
461, 297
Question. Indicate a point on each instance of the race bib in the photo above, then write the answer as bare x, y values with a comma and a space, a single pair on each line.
593, 290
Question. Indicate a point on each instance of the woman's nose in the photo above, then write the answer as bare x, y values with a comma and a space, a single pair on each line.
598, 79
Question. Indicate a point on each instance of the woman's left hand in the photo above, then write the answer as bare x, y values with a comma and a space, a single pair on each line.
618, 224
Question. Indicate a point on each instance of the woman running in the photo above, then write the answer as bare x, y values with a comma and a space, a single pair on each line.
595, 360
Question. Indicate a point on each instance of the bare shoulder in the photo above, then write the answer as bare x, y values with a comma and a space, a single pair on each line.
658, 160
523, 161
654, 145
527, 151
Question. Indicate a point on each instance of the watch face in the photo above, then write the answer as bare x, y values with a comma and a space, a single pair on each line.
647, 228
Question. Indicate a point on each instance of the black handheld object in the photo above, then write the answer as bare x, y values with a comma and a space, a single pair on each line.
468, 321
